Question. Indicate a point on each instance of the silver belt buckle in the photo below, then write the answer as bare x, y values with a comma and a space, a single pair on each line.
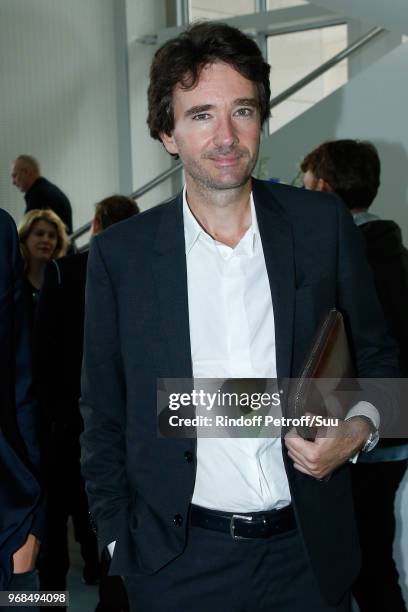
232, 525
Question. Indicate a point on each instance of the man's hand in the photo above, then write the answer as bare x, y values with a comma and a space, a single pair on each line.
322, 456
24, 558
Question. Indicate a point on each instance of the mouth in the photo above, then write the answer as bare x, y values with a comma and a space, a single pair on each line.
225, 161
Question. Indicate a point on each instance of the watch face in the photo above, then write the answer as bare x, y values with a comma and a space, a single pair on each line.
371, 442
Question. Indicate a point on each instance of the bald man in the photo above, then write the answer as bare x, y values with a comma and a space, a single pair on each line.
38, 191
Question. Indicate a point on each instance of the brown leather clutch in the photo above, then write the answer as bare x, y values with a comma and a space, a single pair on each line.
327, 364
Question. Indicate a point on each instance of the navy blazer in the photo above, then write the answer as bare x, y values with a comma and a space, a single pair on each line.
137, 329
19, 457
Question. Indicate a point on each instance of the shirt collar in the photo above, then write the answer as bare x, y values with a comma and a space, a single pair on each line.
361, 218
193, 230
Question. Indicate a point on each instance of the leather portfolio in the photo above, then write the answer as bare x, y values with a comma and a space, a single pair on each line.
328, 364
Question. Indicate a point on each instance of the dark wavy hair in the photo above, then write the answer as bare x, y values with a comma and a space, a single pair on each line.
181, 60
115, 208
351, 167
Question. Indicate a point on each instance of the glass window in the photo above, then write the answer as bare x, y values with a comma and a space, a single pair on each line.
219, 10
281, 4
292, 56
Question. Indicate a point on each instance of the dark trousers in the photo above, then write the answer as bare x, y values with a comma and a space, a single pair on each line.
54, 561
65, 497
217, 574
26, 581
112, 592
374, 489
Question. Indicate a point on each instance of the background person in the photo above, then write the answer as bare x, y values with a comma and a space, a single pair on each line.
21, 519
38, 191
42, 237
59, 331
351, 168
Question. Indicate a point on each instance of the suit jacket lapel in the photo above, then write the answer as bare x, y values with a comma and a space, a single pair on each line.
170, 272
277, 243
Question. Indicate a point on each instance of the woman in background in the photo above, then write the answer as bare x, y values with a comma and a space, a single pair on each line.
42, 237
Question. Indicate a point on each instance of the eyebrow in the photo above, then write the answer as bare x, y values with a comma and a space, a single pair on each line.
198, 109
202, 108
246, 102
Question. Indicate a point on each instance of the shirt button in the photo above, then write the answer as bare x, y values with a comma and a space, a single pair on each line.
188, 456
177, 520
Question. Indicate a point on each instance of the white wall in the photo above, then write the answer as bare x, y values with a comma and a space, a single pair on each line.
373, 106
149, 157
58, 98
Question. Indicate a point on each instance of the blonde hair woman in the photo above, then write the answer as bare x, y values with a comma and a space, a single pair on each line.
42, 237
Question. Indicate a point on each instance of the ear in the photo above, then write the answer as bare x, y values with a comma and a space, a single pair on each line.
169, 143
324, 186
96, 226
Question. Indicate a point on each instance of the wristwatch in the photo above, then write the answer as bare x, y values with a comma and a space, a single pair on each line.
374, 436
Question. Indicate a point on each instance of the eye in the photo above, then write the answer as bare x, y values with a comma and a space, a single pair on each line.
244, 112
201, 116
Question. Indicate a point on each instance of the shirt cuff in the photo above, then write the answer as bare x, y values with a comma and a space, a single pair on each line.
111, 548
365, 409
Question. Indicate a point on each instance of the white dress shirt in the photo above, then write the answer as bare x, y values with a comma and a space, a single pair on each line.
232, 334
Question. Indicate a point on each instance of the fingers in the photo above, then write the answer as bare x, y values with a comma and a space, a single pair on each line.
316, 468
24, 558
310, 458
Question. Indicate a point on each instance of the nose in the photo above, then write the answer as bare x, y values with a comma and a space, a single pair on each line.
225, 134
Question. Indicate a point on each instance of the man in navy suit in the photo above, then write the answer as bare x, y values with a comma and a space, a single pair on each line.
20, 522
228, 280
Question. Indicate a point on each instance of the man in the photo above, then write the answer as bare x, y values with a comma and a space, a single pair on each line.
38, 191
228, 280
351, 169
58, 357
21, 522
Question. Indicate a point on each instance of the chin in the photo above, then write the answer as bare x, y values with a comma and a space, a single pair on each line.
232, 182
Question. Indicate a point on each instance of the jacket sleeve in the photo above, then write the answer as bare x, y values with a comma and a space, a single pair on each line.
103, 405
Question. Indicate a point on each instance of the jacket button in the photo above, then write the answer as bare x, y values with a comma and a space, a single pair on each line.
188, 456
177, 520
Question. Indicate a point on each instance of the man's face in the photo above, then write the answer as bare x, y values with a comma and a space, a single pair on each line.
216, 128
20, 176
310, 181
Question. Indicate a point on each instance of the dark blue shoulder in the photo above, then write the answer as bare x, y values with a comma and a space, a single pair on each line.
141, 228
295, 201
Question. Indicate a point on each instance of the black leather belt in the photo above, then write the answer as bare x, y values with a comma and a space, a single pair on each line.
245, 525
